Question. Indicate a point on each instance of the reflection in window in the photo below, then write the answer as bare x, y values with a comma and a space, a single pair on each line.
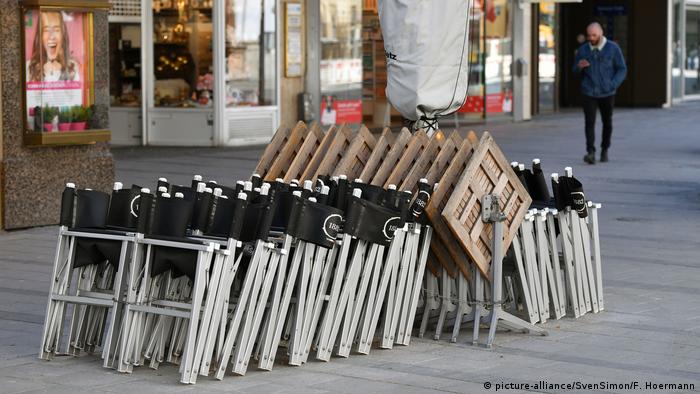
250, 52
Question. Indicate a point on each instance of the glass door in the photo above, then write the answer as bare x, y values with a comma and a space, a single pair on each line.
180, 95
547, 57
691, 74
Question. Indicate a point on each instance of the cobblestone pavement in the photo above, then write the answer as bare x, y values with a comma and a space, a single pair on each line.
649, 332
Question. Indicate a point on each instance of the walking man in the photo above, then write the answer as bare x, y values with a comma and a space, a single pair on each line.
602, 68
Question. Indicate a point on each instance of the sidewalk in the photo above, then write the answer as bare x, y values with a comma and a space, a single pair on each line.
649, 332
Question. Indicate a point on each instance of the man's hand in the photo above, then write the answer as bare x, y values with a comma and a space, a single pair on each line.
583, 63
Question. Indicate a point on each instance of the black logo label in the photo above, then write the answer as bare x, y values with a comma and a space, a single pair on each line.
332, 226
134, 206
390, 227
390, 55
420, 203
578, 201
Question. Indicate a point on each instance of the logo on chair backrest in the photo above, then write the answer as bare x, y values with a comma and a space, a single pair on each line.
390, 227
578, 201
420, 203
134, 206
332, 226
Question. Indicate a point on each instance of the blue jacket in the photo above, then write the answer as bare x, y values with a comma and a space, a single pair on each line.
606, 72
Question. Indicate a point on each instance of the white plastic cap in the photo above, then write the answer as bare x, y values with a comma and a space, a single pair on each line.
214, 182
179, 195
435, 186
162, 189
521, 167
265, 189
555, 177
312, 199
218, 191
242, 196
343, 177
166, 195
308, 185
358, 180
201, 186
568, 171
248, 185
334, 179
357, 193
88, 189
391, 187
296, 181
197, 178
208, 190
256, 176
280, 180
163, 179
513, 164
325, 190
297, 193
145, 190
535, 161
224, 197
240, 183
118, 185
70, 185
423, 180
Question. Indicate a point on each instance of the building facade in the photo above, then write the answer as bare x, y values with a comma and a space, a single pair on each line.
279, 61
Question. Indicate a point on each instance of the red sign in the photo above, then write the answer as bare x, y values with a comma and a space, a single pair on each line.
340, 111
495, 103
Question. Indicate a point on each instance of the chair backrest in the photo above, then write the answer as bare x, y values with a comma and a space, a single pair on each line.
91, 209
124, 208
171, 216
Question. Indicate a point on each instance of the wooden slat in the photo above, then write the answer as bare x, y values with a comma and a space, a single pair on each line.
279, 140
306, 153
393, 157
282, 162
442, 256
335, 153
381, 150
413, 151
443, 159
423, 163
488, 171
439, 199
320, 153
357, 154
432, 265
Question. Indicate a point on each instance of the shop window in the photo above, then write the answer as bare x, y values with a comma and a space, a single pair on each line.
341, 61
182, 53
125, 64
251, 53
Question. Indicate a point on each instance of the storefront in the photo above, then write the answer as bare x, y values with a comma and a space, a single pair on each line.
685, 68
194, 46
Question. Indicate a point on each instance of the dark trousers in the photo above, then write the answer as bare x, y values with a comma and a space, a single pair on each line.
590, 107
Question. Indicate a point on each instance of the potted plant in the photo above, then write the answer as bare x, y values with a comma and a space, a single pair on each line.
48, 114
65, 116
80, 118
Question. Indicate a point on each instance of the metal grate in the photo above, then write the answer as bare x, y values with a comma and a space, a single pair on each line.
125, 8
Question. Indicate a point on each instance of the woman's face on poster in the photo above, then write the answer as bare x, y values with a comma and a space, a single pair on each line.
51, 34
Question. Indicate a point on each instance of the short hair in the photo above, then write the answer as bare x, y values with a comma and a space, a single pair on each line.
596, 25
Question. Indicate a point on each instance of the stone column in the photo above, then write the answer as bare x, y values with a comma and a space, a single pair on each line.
31, 179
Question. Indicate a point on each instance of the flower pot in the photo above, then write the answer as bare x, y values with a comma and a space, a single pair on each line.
64, 126
78, 126
48, 126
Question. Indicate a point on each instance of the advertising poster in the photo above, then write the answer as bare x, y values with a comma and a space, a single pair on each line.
334, 111
55, 61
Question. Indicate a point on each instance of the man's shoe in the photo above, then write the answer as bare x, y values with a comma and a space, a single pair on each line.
604, 156
589, 158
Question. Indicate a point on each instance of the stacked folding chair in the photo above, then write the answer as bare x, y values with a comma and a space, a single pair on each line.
328, 249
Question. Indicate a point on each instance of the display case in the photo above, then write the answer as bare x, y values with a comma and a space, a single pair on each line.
59, 73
